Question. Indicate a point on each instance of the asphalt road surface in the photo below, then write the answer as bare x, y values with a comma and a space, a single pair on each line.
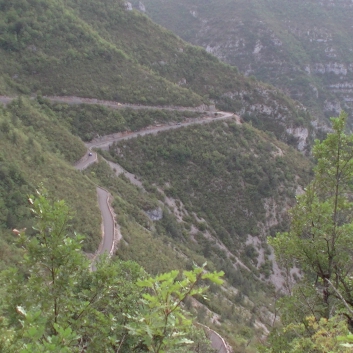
104, 142
107, 221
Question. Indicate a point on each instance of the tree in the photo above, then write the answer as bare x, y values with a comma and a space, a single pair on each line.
311, 336
53, 302
162, 324
319, 240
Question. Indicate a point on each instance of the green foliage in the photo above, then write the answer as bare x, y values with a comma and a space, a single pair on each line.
320, 234
163, 325
313, 335
53, 302
53, 295
348, 339
321, 221
37, 149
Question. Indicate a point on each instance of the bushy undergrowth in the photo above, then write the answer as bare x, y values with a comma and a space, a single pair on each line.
224, 173
36, 149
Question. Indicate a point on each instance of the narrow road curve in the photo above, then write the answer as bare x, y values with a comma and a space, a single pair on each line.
108, 222
111, 234
217, 341
104, 142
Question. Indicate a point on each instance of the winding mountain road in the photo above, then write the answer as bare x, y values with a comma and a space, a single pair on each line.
110, 230
104, 142
111, 234
108, 241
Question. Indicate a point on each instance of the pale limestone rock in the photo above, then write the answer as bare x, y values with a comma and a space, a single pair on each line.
258, 47
128, 6
155, 215
332, 106
142, 7
301, 133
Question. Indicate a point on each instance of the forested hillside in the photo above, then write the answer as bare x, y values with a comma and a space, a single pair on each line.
249, 180
102, 50
35, 150
210, 192
302, 47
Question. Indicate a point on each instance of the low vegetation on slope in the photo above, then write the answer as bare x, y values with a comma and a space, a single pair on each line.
46, 47
229, 186
237, 310
100, 49
36, 150
89, 121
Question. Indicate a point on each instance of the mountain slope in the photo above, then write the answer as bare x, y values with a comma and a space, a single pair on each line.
219, 189
36, 150
224, 188
303, 47
46, 47
100, 49
230, 183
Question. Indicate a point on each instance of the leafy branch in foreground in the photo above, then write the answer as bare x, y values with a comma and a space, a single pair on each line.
54, 303
163, 323
320, 239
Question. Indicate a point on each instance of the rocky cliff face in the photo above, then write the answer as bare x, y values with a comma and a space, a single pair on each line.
302, 47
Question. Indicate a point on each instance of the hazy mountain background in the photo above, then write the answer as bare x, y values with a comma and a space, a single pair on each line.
303, 47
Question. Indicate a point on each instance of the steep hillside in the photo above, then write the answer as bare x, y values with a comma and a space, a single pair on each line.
46, 47
100, 49
303, 47
248, 181
210, 192
222, 188
36, 150
228, 181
